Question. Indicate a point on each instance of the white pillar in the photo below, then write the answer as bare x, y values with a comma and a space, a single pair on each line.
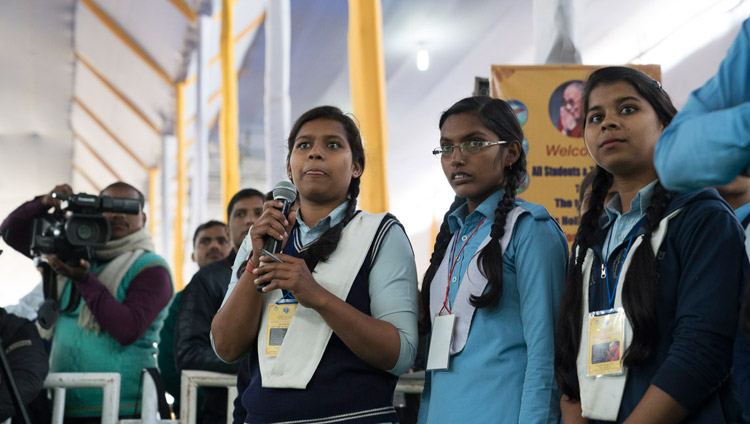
555, 32
168, 193
277, 108
200, 165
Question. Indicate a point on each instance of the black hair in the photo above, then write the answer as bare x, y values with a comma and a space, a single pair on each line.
206, 225
498, 117
745, 314
647, 87
121, 184
242, 194
585, 184
640, 284
322, 248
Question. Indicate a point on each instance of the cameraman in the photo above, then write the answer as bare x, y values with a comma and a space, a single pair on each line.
111, 309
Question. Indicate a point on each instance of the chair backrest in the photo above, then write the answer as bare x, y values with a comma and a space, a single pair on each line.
109, 382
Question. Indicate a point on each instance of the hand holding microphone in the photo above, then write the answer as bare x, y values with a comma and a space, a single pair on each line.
269, 230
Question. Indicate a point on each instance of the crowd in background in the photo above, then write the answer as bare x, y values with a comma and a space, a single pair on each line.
642, 321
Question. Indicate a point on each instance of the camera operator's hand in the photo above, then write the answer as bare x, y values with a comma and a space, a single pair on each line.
49, 201
75, 273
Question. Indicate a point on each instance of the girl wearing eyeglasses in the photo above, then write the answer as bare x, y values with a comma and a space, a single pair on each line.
659, 276
491, 292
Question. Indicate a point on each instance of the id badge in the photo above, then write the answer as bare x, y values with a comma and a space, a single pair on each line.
440, 342
279, 318
606, 335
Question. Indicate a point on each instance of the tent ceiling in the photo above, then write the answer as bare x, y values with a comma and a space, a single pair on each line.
81, 104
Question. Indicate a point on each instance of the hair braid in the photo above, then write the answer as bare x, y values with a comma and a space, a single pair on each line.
441, 244
568, 331
322, 249
491, 255
640, 289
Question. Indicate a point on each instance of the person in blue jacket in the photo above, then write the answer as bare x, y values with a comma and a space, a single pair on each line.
497, 271
661, 273
708, 143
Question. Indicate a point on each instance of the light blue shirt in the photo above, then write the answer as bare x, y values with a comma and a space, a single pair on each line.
624, 223
708, 142
464, 226
393, 281
505, 373
742, 212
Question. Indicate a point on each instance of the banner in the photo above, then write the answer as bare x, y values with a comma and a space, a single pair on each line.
547, 103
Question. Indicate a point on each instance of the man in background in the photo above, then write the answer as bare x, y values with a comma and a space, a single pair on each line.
202, 298
210, 244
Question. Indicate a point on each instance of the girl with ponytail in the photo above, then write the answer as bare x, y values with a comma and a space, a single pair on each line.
497, 272
668, 265
326, 331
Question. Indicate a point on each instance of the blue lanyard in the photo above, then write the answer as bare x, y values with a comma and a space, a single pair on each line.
288, 297
611, 294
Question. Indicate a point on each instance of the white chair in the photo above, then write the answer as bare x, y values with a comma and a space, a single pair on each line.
189, 383
109, 382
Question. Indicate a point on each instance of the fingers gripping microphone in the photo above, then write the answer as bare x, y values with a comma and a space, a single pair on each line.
286, 193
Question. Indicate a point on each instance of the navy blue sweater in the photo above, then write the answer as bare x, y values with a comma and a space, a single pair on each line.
701, 266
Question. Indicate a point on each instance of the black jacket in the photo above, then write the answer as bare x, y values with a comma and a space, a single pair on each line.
27, 359
200, 301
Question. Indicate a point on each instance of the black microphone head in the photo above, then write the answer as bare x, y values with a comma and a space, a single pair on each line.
285, 191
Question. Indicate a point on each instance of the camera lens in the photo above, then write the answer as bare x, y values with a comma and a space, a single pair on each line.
84, 232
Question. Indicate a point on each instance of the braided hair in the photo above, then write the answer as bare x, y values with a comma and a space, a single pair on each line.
497, 116
324, 246
640, 284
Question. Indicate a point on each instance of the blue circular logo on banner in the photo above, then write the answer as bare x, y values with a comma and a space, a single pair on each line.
522, 113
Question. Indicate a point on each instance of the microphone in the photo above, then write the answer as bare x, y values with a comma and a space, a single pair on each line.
286, 193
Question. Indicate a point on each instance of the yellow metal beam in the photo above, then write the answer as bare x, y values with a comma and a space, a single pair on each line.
153, 178
97, 156
251, 26
367, 80
213, 122
191, 80
117, 93
239, 37
179, 245
228, 124
215, 95
185, 10
109, 132
87, 178
126, 39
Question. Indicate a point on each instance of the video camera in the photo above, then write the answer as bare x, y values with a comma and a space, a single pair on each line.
78, 228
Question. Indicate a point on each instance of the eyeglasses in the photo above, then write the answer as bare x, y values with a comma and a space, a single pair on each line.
472, 146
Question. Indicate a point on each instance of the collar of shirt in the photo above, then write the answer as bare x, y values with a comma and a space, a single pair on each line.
308, 235
458, 218
742, 212
622, 224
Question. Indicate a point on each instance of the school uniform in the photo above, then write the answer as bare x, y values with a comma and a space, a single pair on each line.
315, 377
741, 368
700, 269
501, 363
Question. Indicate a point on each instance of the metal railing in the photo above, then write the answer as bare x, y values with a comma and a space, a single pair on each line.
189, 383
109, 382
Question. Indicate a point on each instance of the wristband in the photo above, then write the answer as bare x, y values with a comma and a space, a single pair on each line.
250, 265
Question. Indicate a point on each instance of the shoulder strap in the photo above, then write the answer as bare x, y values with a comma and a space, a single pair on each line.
164, 411
385, 225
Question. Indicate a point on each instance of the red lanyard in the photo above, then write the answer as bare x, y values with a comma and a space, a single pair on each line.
454, 260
